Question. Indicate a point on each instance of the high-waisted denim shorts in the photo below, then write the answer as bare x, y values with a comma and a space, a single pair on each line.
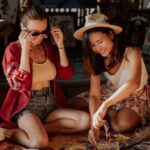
41, 103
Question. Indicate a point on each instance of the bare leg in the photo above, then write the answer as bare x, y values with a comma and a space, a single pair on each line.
124, 120
67, 121
31, 132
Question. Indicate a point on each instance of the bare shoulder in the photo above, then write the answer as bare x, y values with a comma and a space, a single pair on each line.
132, 50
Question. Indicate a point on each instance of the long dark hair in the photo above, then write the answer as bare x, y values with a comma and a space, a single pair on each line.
94, 62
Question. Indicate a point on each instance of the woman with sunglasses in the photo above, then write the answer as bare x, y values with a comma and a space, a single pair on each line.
32, 106
123, 99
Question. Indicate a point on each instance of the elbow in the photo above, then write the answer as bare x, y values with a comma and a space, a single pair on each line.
136, 85
95, 98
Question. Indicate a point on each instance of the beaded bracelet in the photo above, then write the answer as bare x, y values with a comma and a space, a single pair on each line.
60, 47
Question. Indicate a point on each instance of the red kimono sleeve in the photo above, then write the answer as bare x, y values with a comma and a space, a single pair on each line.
18, 79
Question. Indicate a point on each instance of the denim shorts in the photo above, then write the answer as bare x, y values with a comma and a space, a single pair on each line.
41, 102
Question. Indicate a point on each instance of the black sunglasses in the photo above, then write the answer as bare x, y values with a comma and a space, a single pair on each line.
38, 33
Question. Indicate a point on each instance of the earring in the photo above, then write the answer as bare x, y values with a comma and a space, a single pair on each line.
46, 37
111, 35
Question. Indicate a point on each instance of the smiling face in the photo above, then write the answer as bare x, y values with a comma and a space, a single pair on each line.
101, 43
38, 29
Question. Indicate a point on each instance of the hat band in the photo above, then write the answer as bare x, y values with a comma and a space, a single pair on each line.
89, 23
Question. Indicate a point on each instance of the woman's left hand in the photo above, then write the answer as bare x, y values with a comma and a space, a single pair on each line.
93, 135
57, 36
99, 115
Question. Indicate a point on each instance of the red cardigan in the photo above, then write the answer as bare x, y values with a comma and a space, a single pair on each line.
20, 82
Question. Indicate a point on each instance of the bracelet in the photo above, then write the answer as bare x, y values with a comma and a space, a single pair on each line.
61, 47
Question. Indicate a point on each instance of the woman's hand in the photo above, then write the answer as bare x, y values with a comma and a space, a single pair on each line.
99, 115
57, 36
93, 136
24, 39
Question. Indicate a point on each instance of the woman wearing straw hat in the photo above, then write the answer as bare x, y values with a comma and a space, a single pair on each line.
123, 99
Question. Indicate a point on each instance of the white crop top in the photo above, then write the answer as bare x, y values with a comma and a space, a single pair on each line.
123, 74
43, 72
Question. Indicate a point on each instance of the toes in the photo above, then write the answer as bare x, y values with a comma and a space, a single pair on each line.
2, 134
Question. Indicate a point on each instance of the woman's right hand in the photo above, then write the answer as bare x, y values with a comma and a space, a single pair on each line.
25, 40
93, 136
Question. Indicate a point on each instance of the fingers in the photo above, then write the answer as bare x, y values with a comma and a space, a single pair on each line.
6, 133
93, 136
92, 139
2, 134
57, 35
24, 34
25, 40
55, 30
97, 134
98, 122
9, 133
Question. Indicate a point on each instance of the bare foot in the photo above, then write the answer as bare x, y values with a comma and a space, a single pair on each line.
2, 135
6, 133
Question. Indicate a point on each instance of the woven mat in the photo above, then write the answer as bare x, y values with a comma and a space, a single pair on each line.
79, 142
67, 142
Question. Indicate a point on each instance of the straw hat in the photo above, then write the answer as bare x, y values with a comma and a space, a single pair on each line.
96, 20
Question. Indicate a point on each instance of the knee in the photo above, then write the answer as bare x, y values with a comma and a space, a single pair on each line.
39, 142
125, 120
84, 121
119, 129
122, 126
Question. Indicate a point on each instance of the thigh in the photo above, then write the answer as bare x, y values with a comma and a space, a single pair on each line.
31, 124
66, 114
